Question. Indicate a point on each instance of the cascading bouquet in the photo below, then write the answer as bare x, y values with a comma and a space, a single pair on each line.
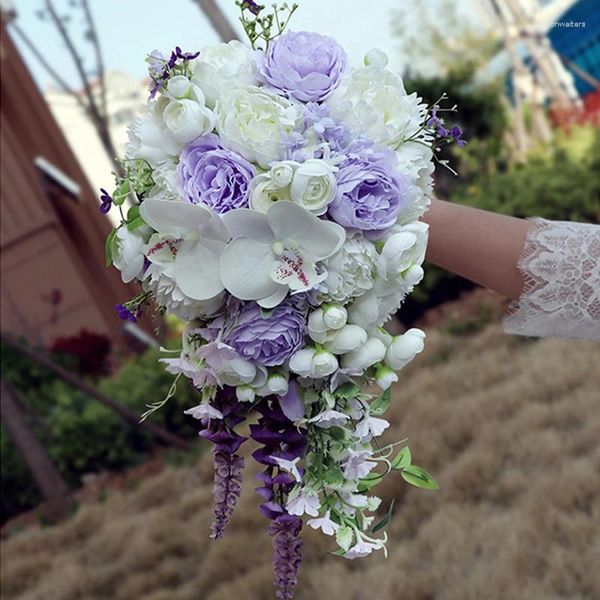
275, 195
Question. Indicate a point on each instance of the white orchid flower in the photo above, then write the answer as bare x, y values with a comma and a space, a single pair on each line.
274, 253
194, 237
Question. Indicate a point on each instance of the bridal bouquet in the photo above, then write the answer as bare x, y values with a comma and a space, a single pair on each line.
274, 199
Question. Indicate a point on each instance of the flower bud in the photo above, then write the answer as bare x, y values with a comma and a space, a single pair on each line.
371, 352
179, 86
384, 377
244, 393
414, 275
381, 334
348, 338
323, 364
364, 311
277, 384
282, 173
376, 58
335, 317
301, 361
317, 328
404, 348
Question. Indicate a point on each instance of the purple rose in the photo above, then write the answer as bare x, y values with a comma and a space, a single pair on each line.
212, 175
307, 66
268, 338
371, 193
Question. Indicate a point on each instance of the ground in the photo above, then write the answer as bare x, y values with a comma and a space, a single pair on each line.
509, 427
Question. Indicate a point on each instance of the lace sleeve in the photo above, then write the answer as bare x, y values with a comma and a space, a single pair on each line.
561, 269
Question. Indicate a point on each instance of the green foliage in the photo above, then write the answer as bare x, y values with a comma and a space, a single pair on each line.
419, 478
81, 434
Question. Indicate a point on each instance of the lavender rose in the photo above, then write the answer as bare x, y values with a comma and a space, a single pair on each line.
212, 175
371, 193
266, 338
305, 65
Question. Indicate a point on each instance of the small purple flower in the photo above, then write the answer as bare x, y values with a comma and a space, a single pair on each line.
252, 6
456, 134
105, 201
371, 192
266, 338
305, 65
212, 175
125, 314
437, 124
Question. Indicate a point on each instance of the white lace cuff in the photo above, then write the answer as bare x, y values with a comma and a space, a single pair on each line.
561, 270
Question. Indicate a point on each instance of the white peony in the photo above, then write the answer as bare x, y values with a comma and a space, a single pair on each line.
350, 272
372, 101
223, 66
254, 122
314, 185
128, 251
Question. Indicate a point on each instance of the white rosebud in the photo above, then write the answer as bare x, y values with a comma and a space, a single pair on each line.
376, 58
128, 252
301, 361
347, 339
282, 173
277, 384
245, 393
179, 87
188, 119
317, 327
404, 348
323, 364
371, 352
384, 376
381, 334
335, 317
314, 185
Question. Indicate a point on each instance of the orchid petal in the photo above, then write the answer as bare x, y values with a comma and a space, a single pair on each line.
316, 237
197, 269
246, 269
173, 217
274, 299
248, 223
291, 268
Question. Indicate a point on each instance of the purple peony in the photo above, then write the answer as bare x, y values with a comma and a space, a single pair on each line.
305, 65
212, 175
268, 338
371, 193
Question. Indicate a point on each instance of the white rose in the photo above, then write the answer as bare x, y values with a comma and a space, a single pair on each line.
301, 362
314, 185
149, 139
253, 122
188, 118
404, 348
318, 330
323, 364
128, 251
223, 66
370, 353
263, 193
347, 339
282, 173
334, 317
350, 271
179, 87
372, 101
404, 248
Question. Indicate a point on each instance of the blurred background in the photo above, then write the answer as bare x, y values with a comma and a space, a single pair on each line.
96, 506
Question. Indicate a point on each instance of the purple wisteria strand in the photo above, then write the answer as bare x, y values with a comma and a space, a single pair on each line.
287, 553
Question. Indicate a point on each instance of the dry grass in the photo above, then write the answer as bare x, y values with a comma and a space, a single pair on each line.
511, 430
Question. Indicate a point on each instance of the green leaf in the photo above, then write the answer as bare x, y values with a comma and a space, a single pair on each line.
135, 223
402, 459
419, 478
133, 212
370, 481
108, 247
334, 476
339, 552
121, 193
382, 403
385, 519
344, 536
347, 391
337, 433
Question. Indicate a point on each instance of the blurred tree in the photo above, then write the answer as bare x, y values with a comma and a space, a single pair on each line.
217, 19
93, 100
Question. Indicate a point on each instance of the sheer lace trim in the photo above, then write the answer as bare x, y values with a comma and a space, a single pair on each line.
560, 264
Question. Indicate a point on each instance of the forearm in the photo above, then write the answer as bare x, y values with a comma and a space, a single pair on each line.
482, 246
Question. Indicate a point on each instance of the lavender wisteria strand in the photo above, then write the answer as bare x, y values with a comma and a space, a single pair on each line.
287, 554
227, 488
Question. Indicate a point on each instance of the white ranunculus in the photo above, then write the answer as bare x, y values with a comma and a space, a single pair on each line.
318, 330
371, 352
350, 271
188, 118
323, 364
404, 248
254, 122
180, 87
347, 339
372, 101
334, 317
404, 348
222, 66
314, 185
282, 173
301, 361
150, 139
263, 192
128, 251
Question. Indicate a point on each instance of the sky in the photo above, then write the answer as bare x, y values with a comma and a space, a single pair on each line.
129, 29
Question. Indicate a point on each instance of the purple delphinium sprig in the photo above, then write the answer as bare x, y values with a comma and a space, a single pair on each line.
228, 464
160, 68
105, 201
442, 134
280, 439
